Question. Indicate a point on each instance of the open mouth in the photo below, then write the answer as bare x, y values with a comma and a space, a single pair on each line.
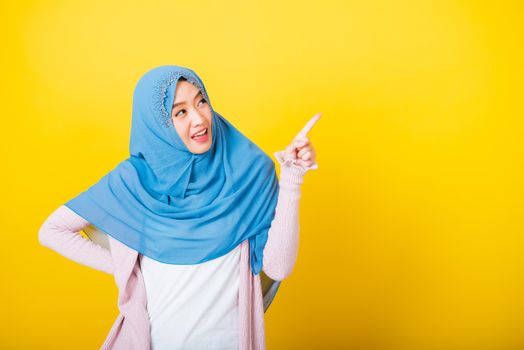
201, 136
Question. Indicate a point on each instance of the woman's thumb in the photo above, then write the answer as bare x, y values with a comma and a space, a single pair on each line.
290, 152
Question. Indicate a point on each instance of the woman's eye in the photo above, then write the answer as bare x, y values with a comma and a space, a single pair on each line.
183, 110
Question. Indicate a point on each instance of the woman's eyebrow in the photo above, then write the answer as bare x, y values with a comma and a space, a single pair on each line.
181, 103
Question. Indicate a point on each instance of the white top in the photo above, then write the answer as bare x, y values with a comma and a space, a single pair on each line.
193, 306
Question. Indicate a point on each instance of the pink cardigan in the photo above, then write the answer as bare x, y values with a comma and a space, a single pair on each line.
131, 329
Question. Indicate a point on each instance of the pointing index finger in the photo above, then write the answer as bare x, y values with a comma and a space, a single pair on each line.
309, 125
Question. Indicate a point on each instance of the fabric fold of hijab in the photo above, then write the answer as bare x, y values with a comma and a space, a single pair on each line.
175, 206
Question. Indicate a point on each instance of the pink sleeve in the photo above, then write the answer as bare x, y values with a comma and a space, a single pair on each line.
59, 232
281, 250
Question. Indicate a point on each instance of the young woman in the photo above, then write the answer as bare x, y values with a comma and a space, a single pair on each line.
192, 217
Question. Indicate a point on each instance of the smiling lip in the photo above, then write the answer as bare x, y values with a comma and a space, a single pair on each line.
202, 138
198, 132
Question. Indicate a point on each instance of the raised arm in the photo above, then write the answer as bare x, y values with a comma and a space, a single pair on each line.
59, 232
281, 250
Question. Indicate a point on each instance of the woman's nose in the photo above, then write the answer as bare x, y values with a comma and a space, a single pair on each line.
197, 118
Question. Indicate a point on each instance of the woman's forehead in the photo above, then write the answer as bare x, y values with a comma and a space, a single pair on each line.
184, 88
185, 81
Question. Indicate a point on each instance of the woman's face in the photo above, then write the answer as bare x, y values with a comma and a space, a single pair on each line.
191, 114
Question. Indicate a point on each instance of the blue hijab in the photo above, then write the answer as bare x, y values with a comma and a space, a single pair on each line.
174, 206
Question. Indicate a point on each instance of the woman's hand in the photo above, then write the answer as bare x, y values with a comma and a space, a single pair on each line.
301, 149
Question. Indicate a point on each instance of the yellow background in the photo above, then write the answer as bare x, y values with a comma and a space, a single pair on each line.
411, 228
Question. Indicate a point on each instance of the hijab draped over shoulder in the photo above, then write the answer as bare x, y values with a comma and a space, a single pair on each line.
174, 206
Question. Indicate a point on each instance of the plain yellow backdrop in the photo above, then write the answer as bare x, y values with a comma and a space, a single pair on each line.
411, 228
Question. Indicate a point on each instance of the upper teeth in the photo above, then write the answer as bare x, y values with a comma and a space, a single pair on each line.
201, 133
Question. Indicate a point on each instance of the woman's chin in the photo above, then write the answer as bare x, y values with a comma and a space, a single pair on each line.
199, 146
